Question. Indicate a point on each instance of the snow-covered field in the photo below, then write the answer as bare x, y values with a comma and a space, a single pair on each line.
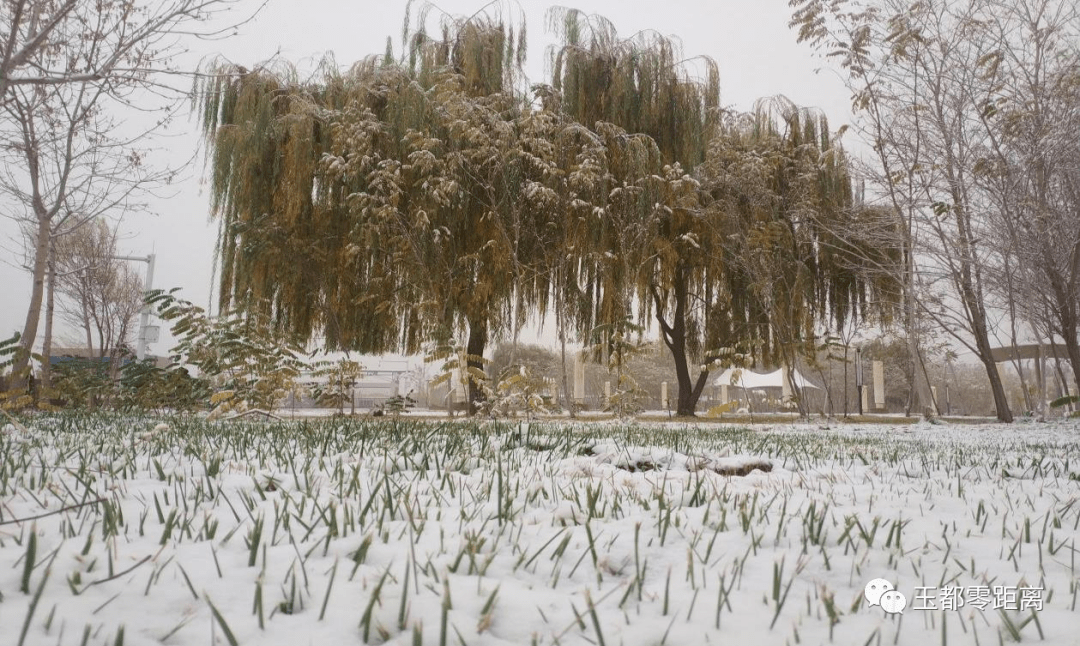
123, 530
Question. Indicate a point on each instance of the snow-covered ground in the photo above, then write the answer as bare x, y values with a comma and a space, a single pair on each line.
124, 530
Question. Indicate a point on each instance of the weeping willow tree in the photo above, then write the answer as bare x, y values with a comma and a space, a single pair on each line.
424, 199
801, 255
378, 207
645, 243
706, 222
563, 169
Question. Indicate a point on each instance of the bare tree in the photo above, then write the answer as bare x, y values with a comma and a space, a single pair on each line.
112, 42
1031, 167
851, 33
66, 67
938, 85
66, 166
101, 295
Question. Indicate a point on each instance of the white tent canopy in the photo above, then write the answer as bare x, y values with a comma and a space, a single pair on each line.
743, 378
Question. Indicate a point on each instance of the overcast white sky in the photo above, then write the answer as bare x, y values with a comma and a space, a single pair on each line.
749, 39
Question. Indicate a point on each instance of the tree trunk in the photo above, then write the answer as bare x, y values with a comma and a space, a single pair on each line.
1017, 362
84, 288
973, 302
796, 392
46, 348
1001, 402
920, 391
1064, 383
1072, 348
475, 351
689, 389
20, 369
674, 336
982, 343
1066, 315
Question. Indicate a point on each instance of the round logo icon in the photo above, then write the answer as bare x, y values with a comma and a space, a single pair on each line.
893, 602
875, 589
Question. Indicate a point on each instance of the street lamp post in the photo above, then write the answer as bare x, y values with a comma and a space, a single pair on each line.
144, 317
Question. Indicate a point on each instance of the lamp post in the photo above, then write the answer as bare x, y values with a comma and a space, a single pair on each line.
144, 317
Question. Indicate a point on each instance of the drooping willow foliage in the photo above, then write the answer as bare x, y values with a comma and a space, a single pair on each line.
396, 176
640, 84
727, 234
801, 253
404, 202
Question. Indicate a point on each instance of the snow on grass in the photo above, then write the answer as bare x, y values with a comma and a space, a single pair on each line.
138, 531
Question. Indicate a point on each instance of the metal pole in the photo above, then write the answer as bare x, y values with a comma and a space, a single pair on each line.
144, 317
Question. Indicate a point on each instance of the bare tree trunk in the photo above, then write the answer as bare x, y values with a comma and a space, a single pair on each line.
1019, 365
920, 396
966, 275
1070, 326
796, 392
46, 349
1073, 350
21, 367
1017, 362
1065, 392
982, 344
982, 340
89, 337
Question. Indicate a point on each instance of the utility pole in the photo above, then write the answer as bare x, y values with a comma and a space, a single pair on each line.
144, 317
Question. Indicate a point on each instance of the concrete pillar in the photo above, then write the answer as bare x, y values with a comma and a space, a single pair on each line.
879, 384
607, 392
579, 378
864, 398
1040, 378
723, 394
663, 395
